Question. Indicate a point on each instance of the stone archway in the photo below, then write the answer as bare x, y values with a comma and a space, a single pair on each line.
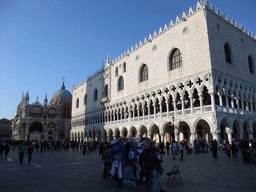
134, 132
246, 130
35, 131
169, 132
125, 132
143, 132
184, 131
110, 135
236, 133
203, 131
223, 134
116, 133
155, 134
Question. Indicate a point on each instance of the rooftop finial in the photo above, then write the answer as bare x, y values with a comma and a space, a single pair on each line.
63, 86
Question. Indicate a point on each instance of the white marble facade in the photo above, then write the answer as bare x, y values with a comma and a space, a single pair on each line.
196, 73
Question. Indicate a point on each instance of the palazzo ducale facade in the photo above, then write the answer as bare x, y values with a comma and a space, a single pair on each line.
194, 78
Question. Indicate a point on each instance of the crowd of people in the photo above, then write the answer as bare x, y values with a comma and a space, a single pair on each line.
129, 161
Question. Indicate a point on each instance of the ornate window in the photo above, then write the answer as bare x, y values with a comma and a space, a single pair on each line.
77, 103
250, 62
116, 72
175, 59
85, 99
124, 67
120, 85
143, 73
227, 53
106, 91
95, 95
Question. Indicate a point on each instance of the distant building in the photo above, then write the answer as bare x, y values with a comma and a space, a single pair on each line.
192, 78
43, 121
5, 129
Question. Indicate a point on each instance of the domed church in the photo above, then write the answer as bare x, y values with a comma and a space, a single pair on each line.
47, 121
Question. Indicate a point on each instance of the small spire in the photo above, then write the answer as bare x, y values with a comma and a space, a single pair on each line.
22, 94
63, 86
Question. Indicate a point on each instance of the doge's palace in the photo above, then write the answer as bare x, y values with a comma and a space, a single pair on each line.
193, 78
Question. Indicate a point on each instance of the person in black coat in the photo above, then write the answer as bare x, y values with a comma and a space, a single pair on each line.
214, 148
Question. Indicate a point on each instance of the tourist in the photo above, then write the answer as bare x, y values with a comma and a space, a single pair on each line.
174, 150
1, 149
228, 148
234, 148
22, 149
168, 146
6, 149
181, 149
107, 162
214, 148
30, 151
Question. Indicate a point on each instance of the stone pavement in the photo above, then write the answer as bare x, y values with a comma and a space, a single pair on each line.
63, 171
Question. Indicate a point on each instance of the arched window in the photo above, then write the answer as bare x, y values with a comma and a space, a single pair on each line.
116, 71
85, 99
95, 96
124, 67
77, 103
106, 91
227, 53
175, 59
143, 73
250, 62
120, 85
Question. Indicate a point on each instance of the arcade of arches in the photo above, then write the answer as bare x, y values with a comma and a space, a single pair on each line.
181, 130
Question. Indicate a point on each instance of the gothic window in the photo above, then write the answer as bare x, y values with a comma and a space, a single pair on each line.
120, 85
85, 99
77, 103
95, 96
175, 59
116, 72
144, 73
124, 67
227, 53
250, 62
106, 91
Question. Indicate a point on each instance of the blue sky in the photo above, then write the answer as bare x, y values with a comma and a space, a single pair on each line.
42, 41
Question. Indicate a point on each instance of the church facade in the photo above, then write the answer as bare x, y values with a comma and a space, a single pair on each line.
38, 121
193, 78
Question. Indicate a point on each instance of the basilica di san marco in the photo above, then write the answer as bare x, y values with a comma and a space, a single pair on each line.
47, 121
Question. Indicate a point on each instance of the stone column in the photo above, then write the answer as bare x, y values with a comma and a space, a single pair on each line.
148, 109
167, 106
182, 105
232, 102
201, 102
193, 136
191, 104
154, 105
237, 103
161, 107
226, 97
175, 105
251, 103
102, 138
176, 133
162, 138
130, 113
212, 101
242, 102
220, 98
229, 133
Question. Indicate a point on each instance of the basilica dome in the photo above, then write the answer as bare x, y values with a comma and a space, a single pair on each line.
62, 96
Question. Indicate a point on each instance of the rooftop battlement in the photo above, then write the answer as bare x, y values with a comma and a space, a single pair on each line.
203, 4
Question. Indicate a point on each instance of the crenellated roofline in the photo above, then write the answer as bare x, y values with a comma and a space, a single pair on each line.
203, 4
